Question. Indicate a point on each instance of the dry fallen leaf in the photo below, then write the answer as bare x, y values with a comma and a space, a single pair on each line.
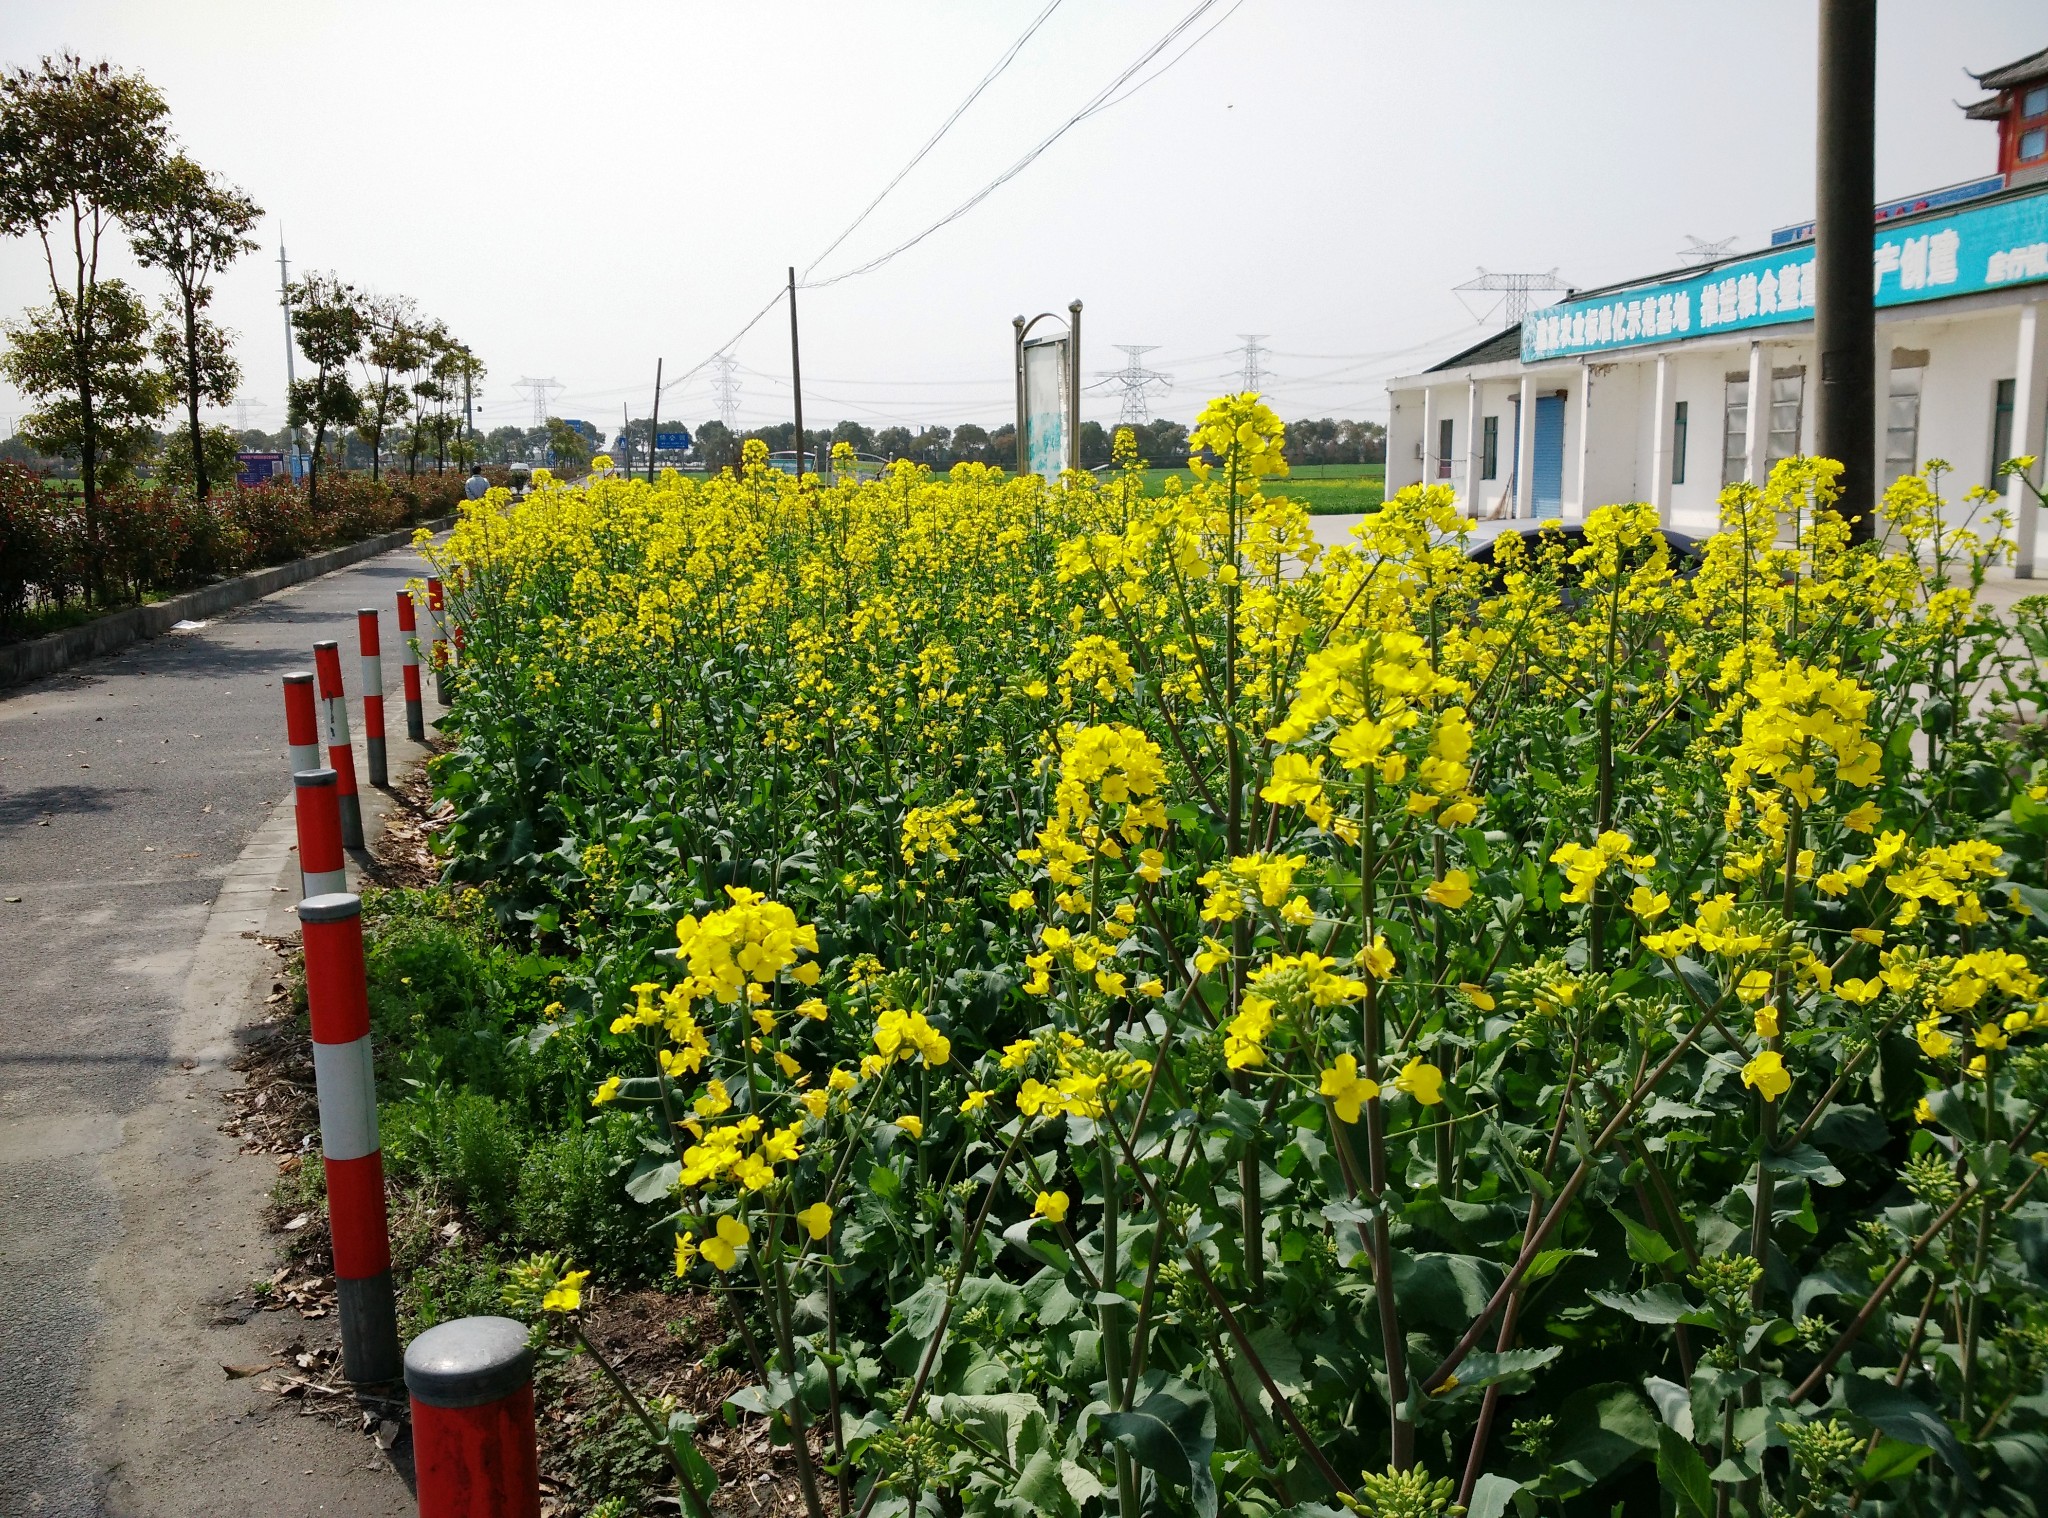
238, 1372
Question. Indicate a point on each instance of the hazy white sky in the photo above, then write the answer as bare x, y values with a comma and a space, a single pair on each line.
577, 189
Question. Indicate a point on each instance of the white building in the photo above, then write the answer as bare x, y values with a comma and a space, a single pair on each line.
1643, 391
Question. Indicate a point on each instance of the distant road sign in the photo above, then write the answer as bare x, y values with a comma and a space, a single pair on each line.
677, 440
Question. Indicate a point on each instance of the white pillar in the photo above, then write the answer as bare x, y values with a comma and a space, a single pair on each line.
1470, 505
2029, 398
1663, 441
1428, 436
1585, 493
1756, 437
1525, 450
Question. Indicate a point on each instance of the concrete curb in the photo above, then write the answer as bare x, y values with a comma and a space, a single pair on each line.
22, 662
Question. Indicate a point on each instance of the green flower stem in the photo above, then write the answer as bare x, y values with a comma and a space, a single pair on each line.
1110, 1315
1281, 1405
1897, 1273
1401, 1433
1489, 1400
1225, 1374
1973, 1326
931, 1349
694, 1499
1469, 1340
807, 1476
832, 1402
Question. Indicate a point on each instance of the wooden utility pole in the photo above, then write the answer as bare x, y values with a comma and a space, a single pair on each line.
1844, 322
796, 375
654, 422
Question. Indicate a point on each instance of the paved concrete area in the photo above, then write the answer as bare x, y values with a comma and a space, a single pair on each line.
145, 831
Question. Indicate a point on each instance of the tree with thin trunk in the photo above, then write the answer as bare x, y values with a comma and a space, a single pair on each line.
327, 321
195, 225
80, 150
395, 346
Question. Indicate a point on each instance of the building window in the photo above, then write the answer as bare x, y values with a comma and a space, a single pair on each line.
1489, 448
1679, 420
1735, 430
1788, 394
2001, 432
2033, 142
1902, 416
2035, 101
1443, 449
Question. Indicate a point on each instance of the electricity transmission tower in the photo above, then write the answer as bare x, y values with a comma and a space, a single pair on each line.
540, 390
1137, 383
1514, 288
1698, 250
725, 389
1255, 371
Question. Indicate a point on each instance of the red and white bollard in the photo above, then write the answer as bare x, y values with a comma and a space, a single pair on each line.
437, 607
338, 997
409, 668
373, 695
301, 722
322, 869
341, 756
473, 1453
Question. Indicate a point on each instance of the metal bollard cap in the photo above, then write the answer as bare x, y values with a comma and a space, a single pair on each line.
324, 644
334, 906
299, 677
468, 1362
320, 776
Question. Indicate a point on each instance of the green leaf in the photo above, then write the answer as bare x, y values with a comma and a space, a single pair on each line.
1039, 1489
652, 1178
1483, 1367
1682, 1473
1606, 1427
682, 1429
1660, 1304
1171, 1431
1646, 1246
1905, 1417
1491, 1496
1446, 1289
1548, 1261
1891, 1459
1012, 1422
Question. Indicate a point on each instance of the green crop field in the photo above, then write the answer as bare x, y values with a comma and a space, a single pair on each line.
1326, 489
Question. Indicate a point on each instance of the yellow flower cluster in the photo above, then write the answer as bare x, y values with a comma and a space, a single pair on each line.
936, 829
1083, 1079
1584, 864
749, 943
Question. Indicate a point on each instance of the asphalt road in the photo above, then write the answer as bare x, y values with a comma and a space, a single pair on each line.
129, 789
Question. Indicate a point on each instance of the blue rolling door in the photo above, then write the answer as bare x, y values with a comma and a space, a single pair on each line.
1548, 494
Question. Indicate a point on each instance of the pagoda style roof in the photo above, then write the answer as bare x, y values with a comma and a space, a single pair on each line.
2010, 75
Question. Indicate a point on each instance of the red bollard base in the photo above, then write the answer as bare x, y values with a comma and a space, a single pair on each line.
471, 1383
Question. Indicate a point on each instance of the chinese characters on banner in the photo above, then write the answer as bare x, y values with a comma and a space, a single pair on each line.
1978, 249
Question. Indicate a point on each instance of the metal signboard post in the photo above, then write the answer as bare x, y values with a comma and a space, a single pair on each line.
1048, 375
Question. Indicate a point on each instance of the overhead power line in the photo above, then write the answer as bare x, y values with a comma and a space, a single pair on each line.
1112, 94
945, 126
1100, 101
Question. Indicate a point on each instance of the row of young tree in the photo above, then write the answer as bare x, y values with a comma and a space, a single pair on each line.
87, 153
1161, 443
